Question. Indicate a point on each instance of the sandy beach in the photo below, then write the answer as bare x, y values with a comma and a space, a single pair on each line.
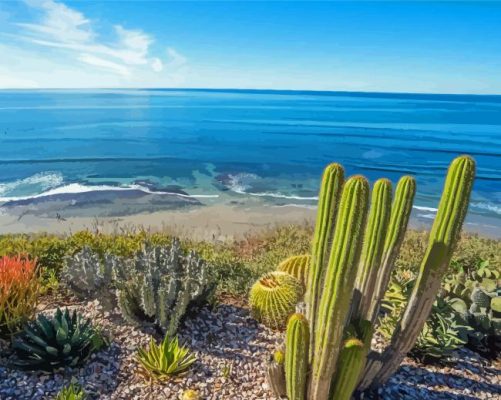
216, 222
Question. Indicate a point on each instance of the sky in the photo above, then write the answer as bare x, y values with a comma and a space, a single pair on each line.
430, 47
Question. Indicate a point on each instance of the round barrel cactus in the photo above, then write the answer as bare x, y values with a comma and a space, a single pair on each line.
274, 297
297, 266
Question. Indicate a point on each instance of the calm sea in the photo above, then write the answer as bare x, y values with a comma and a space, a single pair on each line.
234, 146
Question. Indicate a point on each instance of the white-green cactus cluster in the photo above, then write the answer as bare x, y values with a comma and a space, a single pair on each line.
160, 283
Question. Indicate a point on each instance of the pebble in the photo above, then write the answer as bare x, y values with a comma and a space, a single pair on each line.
231, 350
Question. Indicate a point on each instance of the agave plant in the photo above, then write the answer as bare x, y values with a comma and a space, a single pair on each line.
160, 362
64, 340
71, 392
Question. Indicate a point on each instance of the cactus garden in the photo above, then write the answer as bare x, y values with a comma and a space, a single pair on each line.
355, 305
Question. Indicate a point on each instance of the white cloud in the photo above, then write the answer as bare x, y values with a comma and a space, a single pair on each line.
157, 65
176, 59
105, 64
127, 54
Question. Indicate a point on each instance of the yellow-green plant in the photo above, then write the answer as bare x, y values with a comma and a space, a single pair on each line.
71, 392
190, 394
274, 297
297, 266
162, 361
349, 271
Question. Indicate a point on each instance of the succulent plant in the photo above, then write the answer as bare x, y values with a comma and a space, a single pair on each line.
71, 392
274, 297
159, 285
63, 340
297, 266
296, 358
160, 362
348, 275
190, 394
275, 374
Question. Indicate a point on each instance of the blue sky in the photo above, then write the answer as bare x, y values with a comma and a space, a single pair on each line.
441, 47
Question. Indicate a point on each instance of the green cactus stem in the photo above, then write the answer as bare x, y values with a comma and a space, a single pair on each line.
399, 219
443, 238
275, 374
297, 266
372, 250
351, 360
338, 285
274, 297
328, 199
296, 357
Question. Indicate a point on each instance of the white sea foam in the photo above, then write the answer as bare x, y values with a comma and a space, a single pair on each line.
488, 207
44, 181
76, 188
422, 208
241, 183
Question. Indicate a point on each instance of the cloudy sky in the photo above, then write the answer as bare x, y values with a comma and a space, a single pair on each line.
442, 47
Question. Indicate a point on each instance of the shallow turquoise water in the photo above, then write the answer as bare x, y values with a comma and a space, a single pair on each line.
238, 145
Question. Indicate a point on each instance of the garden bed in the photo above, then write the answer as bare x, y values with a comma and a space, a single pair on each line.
231, 350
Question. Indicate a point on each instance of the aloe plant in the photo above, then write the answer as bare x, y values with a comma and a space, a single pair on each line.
161, 361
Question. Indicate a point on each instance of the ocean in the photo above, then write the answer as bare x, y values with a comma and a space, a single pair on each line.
76, 148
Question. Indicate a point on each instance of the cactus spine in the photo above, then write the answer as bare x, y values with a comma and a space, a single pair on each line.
443, 238
296, 356
372, 249
399, 219
338, 284
330, 192
297, 266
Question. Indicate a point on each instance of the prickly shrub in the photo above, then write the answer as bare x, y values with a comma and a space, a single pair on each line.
63, 340
160, 362
159, 285
19, 289
297, 266
274, 297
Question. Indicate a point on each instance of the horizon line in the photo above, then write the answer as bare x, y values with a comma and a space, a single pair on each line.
259, 90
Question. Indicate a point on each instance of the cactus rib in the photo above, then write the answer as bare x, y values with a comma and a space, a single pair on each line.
296, 356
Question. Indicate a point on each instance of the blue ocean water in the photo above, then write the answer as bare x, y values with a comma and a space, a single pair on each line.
237, 145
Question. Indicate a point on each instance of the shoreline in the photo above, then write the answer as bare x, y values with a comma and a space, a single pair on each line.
217, 222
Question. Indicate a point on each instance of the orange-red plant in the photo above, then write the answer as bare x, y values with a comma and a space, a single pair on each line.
19, 289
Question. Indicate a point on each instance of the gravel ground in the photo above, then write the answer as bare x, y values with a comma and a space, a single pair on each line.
231, 349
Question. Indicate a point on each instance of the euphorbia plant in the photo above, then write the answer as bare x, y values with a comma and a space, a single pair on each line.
19, 289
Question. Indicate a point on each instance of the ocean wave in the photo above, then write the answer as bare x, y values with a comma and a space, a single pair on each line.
423, 208
496, 209
75, 188
242, 184
43, 181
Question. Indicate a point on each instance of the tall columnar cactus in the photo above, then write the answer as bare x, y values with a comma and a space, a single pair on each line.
399, 218
296, 357
372, 250
297, 266
330, 192
443, 238
339, 280
274, 297
345, 292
